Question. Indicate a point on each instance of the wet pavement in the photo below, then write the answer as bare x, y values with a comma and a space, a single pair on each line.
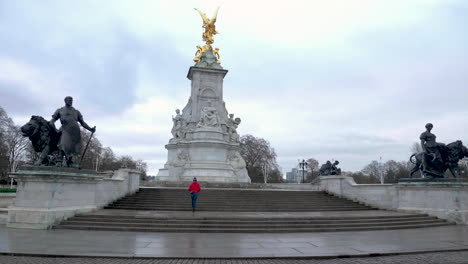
460, 257
238, 245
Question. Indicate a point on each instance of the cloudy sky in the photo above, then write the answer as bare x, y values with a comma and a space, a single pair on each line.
352, 80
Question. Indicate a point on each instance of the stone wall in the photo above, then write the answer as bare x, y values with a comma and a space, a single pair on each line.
122, 183
46, 196
7, 199
444, 200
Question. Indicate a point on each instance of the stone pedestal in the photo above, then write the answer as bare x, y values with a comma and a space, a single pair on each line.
443, 198
47, 195
205, 143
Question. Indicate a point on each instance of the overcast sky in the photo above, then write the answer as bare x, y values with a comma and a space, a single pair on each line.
352, 80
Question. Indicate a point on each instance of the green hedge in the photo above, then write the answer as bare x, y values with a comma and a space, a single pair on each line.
7, 190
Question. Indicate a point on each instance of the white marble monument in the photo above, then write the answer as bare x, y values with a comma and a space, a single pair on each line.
205, 142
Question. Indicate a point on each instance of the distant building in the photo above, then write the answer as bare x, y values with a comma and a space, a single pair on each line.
294, 176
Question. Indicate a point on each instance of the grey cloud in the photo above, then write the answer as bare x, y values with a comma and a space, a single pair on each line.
384, 79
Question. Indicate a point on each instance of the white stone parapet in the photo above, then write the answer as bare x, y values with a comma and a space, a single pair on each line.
45, 196
446, 200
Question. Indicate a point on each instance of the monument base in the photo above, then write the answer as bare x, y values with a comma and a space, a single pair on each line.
444, 198
204, 155
42, 218
431, 180
47, 195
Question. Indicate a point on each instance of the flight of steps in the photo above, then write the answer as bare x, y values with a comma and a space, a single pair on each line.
235, 200
242, 201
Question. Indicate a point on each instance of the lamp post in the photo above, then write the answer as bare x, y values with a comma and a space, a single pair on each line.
303, 164
381, 171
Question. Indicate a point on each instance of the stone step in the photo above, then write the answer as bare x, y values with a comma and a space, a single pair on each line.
201, 204
239, 206
240, 209
264, 199
255, 218
251, 201
262, 229
206, 185
239, 197
249, 220
260, 203
249, 225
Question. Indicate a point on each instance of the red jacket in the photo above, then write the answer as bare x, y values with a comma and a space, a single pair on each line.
194, 187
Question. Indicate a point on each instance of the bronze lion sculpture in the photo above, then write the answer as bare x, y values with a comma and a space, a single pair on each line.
44, 139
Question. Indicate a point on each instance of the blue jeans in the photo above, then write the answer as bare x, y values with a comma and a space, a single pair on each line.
194, 199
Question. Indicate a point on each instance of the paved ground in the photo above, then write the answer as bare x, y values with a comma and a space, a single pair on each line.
460, 257
222, 245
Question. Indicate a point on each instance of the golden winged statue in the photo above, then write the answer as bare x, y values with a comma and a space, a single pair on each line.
210, 31
209, 26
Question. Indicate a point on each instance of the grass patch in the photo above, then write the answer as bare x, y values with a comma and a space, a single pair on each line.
7, 190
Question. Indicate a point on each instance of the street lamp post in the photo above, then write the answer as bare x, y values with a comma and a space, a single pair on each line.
303, 164
381, 171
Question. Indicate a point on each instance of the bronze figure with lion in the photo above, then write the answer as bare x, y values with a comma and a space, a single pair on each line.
57, 147
436, 157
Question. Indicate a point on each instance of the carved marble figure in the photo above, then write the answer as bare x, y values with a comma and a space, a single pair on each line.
209, 116
178, 127
234, 137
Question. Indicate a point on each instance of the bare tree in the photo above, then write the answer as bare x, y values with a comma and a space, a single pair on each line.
5, 124
313, 169
416, 148
260, 159
372, 169
12, 143
91, 158
17, 145
394, 171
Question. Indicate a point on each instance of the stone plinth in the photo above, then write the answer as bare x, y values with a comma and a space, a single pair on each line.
205, 142
208, 160
47, 195
446, 199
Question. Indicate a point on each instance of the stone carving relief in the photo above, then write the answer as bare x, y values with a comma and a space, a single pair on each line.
182, 158
209, 116
238, 164
236, 160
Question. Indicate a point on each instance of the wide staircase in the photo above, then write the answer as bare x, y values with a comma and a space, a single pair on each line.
247, 211
235, 201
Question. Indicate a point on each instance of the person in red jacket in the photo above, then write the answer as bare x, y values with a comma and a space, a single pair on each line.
194, 189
